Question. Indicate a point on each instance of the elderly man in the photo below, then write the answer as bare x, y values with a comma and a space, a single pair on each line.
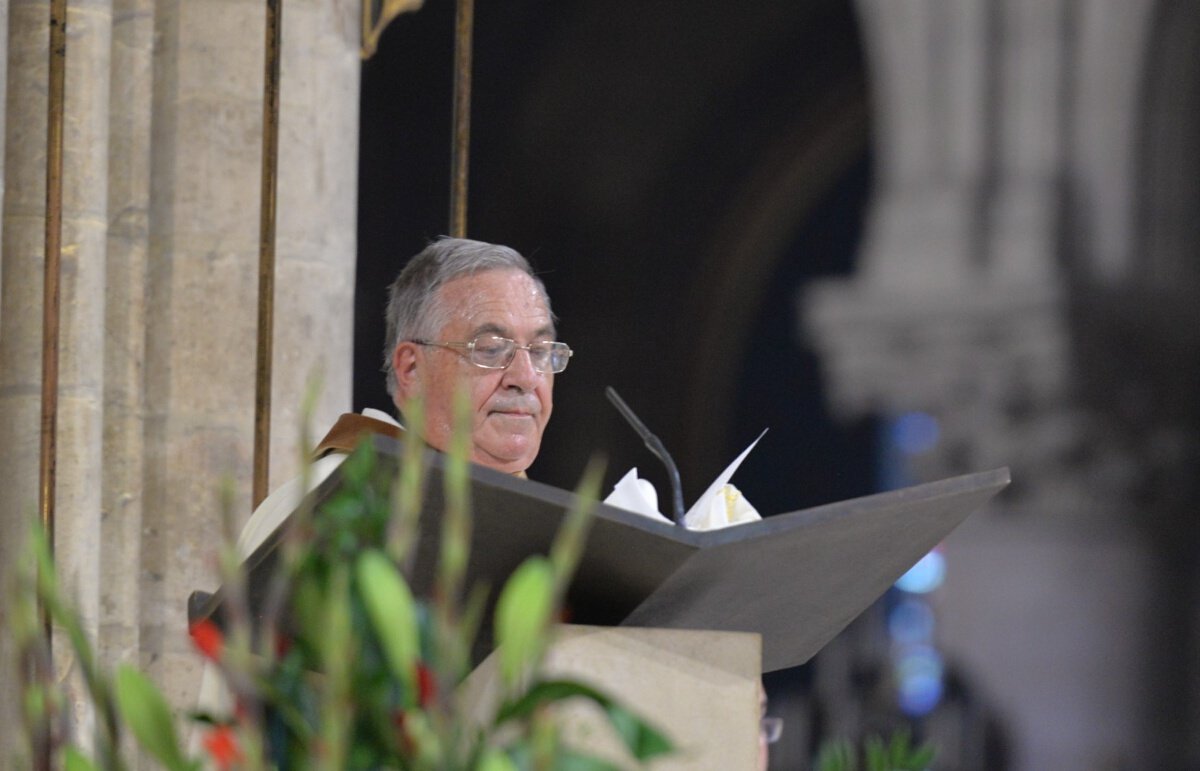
461, 315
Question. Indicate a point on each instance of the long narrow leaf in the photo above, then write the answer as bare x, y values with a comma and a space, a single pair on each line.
149, 718
641, 739
408, 488
392, 612
522, 615
73, 760
568, 760
568, 542
495, 760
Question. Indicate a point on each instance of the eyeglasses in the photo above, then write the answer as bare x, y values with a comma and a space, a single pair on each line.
771, 728
493, 352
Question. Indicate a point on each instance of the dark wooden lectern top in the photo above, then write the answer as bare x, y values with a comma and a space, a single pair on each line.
797, 578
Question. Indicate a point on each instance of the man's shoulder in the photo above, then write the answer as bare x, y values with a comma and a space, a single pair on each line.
351, 427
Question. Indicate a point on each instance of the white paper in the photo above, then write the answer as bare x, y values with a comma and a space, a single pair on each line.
705, 501
727, 507
718, 507
636, 495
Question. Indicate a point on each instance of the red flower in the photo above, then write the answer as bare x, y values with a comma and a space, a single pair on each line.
283, 644
400, 721
222, 745
426, 686
207, 638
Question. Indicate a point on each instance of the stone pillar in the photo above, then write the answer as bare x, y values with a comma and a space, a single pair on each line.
962, 308
318, 215
81, 367
201, 291
131, 112
160, 267
1105, 103
932, 125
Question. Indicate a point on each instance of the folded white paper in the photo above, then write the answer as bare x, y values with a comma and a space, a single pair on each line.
637, 495
721, 505
727, 507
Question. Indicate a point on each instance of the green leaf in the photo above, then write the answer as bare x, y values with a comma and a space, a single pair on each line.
148, 716
577, 761
546, 692
922, 757
495, 760
358, 467
74, 761
35, 703
572, 533
836, 755
877, 756
522, 613
641, 739
898, 749
392, 612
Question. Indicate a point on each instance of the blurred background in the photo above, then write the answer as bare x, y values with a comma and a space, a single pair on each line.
913, 238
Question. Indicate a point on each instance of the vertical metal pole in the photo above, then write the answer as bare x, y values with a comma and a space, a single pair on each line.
464, 22
266, 252
51, 293
52, 266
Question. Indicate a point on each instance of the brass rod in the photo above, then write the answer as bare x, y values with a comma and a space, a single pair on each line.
266, 251
51, 295
464, 21
52, 265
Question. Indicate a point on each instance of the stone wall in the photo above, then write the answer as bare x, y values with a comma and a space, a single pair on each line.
162, 170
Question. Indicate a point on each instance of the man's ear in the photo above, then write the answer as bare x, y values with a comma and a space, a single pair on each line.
406, 364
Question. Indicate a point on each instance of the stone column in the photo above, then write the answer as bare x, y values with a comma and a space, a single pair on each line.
159, 293
1105, 102
81, 364
125, 327
962, 309
201, 291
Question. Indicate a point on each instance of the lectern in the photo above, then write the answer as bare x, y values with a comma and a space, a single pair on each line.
675, 615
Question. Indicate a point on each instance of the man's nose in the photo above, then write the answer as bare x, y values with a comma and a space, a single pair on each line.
520, 372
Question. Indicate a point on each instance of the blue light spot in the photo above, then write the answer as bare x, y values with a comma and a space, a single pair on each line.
914, 433
925, 576
919, 680
911, 622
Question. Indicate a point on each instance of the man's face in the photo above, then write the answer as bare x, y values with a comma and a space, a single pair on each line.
509, 407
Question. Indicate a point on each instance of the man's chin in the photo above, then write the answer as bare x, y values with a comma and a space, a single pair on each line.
510, 454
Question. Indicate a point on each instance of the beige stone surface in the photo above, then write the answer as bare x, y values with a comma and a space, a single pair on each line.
124, 328
161, 223
699, 687
203, 284
80, 368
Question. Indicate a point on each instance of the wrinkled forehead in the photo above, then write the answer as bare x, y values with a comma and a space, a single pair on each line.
504, 302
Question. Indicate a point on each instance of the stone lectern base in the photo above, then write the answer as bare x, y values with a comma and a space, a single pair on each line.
698, 687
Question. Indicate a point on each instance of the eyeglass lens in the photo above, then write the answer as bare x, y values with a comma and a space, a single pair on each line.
772, 728
498, 352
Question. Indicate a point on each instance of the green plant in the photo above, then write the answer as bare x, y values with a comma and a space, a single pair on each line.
898, 754
349, 670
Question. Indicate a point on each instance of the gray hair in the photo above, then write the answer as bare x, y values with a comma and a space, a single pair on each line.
414, 310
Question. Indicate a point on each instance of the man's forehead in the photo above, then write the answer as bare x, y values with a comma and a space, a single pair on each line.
505, 302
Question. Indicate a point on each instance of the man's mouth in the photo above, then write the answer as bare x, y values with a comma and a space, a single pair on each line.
514, 409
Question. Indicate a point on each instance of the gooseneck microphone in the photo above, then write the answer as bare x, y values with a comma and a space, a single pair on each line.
655, 445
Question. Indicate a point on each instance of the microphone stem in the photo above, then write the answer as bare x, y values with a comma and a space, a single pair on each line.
655, 445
